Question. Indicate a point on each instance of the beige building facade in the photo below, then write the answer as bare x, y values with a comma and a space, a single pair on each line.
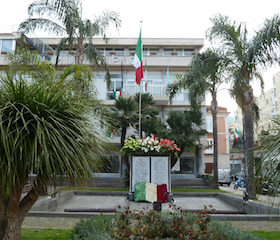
269, 106
223, 140
163, 59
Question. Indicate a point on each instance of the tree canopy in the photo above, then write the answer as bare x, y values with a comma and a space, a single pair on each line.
44, 131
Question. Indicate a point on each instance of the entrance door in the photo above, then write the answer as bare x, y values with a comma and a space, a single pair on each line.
187, 165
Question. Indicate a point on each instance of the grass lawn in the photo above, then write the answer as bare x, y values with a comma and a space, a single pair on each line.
273, 235
125, 189
45, 234
64, 234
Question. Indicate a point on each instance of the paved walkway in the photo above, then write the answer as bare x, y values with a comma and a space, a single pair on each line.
263, 198
194, 203
105, 202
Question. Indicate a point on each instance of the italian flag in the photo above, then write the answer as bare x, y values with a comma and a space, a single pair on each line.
236, 135
138, 63
150, 192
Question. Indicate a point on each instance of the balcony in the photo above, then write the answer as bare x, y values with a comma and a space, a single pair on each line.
157, 91
163, 61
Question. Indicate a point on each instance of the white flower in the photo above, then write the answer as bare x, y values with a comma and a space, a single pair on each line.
145, 150
152, 148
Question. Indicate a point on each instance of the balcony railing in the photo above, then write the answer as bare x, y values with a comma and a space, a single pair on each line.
182, 61
155, 90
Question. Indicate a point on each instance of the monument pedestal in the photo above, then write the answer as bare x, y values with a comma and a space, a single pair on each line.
155, 169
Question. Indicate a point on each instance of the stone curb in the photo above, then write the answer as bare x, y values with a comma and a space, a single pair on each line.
218, 217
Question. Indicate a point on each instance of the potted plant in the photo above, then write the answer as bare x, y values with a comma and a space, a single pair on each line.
149, 146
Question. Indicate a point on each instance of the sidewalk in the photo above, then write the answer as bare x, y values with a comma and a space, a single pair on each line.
275, 201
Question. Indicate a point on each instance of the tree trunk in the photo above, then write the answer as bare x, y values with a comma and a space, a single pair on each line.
214, 110
11, 229
79, 52
125, 157
12, 213
249, 141
173, 157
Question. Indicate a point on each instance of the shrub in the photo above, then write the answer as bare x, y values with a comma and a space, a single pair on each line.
226, 229
141, 225
96, 228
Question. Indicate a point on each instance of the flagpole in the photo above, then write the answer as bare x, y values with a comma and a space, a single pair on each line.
140, 133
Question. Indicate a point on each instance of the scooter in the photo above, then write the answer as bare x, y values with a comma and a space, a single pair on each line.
239, 183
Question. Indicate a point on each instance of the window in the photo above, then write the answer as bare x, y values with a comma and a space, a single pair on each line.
114, 52
209, 124
210, 146
7, 46
115, 86
100, 51
275, 92
188, 52
267, 101
179, 51
168, 52
150, 52
154, 51
119, 52
110, 165
132, 51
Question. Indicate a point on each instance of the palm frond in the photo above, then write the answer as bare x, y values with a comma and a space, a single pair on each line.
102, 22
232, 36
44, 130
265, 44
31, 24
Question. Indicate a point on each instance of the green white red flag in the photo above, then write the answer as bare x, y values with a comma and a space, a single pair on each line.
236, 135
138, 62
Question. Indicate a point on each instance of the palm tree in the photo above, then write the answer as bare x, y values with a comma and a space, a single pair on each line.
64, 17
124, 116
43, 131
205, 75
246, 56
182, 131
270, 162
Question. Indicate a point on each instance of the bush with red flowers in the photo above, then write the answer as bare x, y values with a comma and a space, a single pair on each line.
168, 146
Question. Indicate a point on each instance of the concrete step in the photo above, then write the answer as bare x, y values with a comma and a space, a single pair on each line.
189, 183
106, 182
118, 182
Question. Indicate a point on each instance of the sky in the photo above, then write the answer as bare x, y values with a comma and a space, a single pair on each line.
166, 19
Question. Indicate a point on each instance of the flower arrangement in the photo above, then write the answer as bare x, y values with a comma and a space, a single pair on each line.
149, 145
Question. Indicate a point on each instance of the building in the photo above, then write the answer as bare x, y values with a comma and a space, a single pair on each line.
223, 140
238, 120
269, 106
164, 58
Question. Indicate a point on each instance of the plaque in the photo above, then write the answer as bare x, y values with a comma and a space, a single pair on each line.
160, 170
140, 170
